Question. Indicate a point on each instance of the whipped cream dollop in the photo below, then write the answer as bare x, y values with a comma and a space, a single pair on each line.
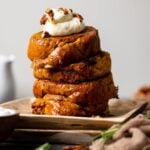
61, 22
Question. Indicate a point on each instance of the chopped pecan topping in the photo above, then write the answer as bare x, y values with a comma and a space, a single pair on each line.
78, 16
50, 13
64, 10
45, 34
48, 10
43, 20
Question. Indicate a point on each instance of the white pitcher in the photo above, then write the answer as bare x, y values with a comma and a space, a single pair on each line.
7, 82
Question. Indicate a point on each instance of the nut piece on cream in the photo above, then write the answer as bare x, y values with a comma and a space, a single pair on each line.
61, 22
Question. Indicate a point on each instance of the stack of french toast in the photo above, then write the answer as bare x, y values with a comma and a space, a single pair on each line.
73, 74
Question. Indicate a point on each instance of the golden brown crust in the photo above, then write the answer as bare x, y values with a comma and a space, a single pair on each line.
64, 50
91, 69
43, 87
51, 107
61, 76
91, 96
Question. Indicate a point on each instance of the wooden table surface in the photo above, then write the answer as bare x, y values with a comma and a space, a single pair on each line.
30, 144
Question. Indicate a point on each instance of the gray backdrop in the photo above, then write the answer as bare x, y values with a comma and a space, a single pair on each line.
124, 27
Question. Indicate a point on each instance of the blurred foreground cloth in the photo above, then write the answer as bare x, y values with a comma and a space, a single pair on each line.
133, 135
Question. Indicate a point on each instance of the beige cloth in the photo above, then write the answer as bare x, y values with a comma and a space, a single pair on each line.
133, 135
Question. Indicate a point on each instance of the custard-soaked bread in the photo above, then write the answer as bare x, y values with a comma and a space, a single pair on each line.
90, 69
51, 107
93, 95
64, 50
43, 87
58, 107
90, 108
